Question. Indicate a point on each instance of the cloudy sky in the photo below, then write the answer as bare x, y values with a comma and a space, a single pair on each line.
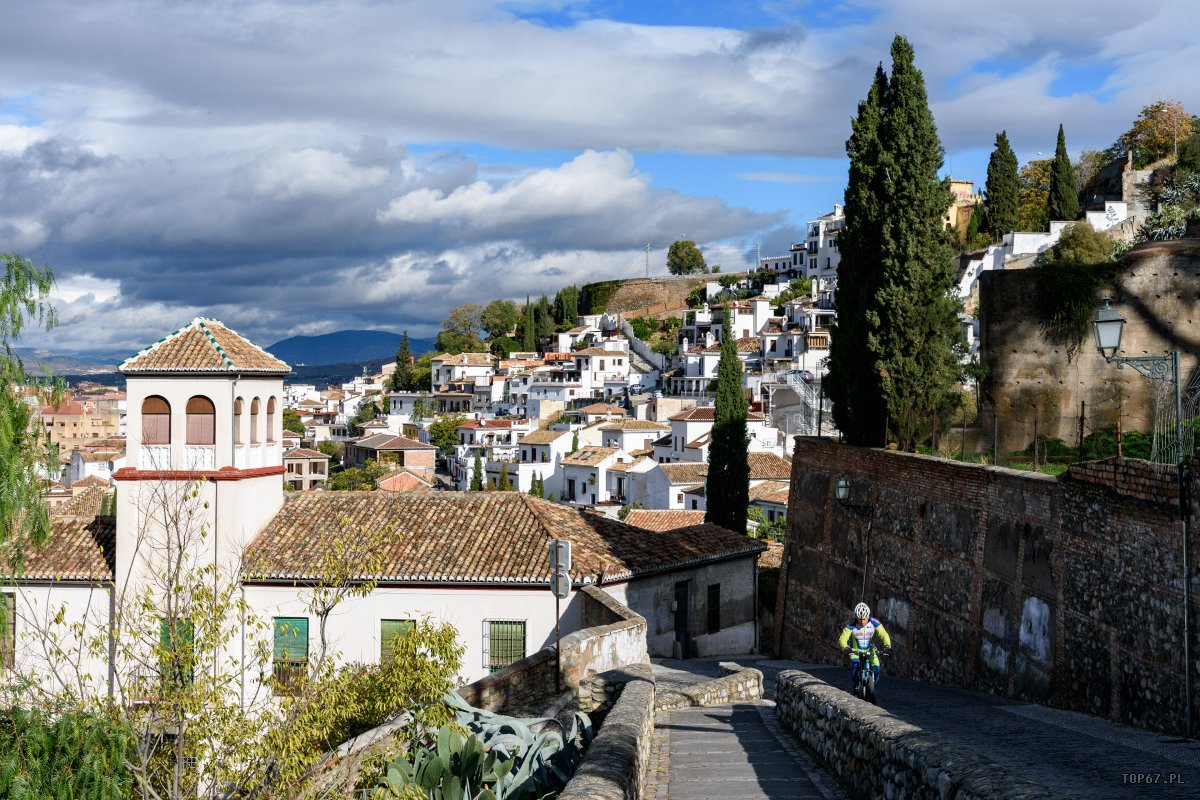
302, 167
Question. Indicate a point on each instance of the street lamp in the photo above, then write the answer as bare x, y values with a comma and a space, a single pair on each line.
1108, 325
841, 490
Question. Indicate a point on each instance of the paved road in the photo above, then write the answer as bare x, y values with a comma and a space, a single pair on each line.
1074, 754
732, 752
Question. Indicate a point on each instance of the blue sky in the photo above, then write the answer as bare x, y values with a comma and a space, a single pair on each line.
303, 167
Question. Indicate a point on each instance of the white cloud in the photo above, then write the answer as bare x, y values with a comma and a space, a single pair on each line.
311, 172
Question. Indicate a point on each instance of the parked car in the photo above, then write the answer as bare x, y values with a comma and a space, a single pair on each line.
637, 388
802, 374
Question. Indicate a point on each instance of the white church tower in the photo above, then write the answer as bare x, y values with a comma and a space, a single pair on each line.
204, 441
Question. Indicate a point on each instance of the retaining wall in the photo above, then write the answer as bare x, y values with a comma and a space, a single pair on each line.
742, 685
1057, 590
877, 755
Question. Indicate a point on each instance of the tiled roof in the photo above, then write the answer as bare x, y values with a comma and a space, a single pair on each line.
96, 456
698, 489
626, 466
68, 408
386, 441
768, 466
602, 408
633, 425
403, 480
772, 557
81, 545
700, 441
598, 352
771, 492
665, 441
659, 520
204, 345
698, 414
746, 344
492, 537
542, 437
466, 360
90, 482
588, 456
304, 452
493, 424
708, 414
84, 504
582, 329
685, 471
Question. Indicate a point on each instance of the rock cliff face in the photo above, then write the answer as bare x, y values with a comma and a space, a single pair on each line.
1157, 289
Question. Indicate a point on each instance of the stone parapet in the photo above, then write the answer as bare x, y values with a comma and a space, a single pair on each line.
615, 765
743, 685
877, 755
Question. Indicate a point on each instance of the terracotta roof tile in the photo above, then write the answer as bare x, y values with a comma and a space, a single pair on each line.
84, 504
90, 482
304, 452
771, 492
542, 437
685, 471
661, 520
204, 345
633, 425
602, 408
588, 456
772, 557
81, 545
403, 480
768, 466
496, 537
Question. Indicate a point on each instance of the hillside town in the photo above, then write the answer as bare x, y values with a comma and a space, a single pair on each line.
827, 520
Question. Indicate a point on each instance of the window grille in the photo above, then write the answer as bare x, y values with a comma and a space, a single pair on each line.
503, 643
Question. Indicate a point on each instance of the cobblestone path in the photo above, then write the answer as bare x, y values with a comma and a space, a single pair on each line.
733, 752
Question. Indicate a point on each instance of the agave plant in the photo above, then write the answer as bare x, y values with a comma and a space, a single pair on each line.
500, 758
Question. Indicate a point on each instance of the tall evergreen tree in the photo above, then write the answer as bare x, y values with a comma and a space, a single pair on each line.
1064, 202
919, 340
477, 474
728, 492
505, 484
1003, 189
853, 381
528, 329
402, 378
895, 351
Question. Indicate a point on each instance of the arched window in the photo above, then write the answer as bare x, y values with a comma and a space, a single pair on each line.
254, 421
156, 420
237, 421
201, 421
270, 419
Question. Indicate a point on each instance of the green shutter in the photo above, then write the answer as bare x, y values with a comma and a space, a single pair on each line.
291, 639
389, 629
506, 643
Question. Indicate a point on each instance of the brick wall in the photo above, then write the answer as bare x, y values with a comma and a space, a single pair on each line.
1064, 591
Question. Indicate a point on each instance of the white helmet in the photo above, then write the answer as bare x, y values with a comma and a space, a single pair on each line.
862, 611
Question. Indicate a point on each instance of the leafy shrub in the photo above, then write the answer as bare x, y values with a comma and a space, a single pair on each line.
75, 755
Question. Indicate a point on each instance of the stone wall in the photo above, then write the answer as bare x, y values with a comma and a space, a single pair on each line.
635, 295
1157, 290
742, 685
874, 754
1066, 591
615, 765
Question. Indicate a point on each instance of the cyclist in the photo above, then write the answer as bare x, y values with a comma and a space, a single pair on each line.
863, 632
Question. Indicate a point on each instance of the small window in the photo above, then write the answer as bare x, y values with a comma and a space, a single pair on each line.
201, 421
503, 643
389, 631
290, 655
8, 629
156, 421
177, 657
714, 608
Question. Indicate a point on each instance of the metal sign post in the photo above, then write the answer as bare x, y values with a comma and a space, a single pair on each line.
560, 585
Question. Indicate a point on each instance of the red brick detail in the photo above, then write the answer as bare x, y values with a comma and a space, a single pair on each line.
222, 474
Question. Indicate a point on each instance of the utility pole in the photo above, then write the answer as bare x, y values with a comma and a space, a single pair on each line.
757, 255
647, 259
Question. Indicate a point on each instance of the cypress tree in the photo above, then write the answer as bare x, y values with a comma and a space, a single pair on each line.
1064, 203
728, 492
505, 484
853, 382
402, 380
1003, 189
918, 342
529, 329
477, 474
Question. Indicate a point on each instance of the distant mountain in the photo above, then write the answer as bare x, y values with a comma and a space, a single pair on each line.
74, 361
341, 347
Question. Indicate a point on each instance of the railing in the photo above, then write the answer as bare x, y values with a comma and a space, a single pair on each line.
200, 456
154, 456
290, 677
